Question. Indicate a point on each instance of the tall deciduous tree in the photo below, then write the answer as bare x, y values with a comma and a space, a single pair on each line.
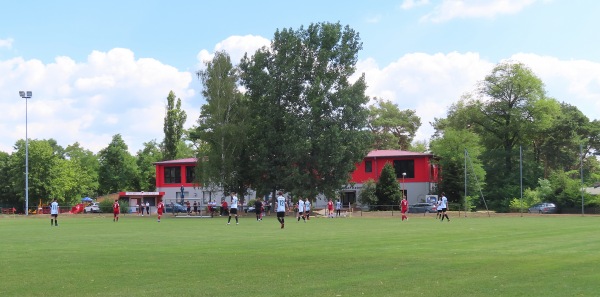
222, 125
118, 171
145, 159
450, 148
173, 127
308, 118
392, 128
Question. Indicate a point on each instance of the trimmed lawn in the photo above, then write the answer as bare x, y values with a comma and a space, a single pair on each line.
89, 255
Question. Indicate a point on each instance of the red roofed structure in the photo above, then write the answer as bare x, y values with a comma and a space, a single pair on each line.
417, 173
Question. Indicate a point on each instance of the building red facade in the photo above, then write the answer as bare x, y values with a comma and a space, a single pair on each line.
420, 180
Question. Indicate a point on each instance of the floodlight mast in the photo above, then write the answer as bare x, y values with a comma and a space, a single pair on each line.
26, 95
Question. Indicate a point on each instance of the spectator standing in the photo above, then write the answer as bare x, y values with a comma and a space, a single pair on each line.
196, 207
147, 208
54, 213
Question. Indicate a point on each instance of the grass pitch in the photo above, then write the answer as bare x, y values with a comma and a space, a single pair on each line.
89, 255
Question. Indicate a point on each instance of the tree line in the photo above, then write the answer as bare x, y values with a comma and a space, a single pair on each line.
294, 116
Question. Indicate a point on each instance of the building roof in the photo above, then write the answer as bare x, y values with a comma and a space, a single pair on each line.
395, 153
179, 161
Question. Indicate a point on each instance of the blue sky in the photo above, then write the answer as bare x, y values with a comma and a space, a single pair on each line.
98, 68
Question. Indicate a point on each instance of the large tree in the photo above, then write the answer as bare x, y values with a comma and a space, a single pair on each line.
173, 127
222, 126
308, 118
118, 170
145, 159
392, 128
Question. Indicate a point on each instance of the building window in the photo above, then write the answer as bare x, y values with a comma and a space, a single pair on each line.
190, 174
172, 175
368, 166
404, 166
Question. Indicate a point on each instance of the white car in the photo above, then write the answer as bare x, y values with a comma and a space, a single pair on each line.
94, 207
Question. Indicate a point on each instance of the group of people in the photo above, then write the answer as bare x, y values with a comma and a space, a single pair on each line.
160, 209
441, 207
338, 209
142, 207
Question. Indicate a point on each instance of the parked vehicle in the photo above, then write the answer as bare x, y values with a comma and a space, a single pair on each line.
92, 207
422, 208
175, 208
543, 207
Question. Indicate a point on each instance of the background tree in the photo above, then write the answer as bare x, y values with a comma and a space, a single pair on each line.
85, 165
388, 190
118, 170
145, 159
368, 194
392, 128
8, 191
450, 148
173, 126
222, 125
308, 119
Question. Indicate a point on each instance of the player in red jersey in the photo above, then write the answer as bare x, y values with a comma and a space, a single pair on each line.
330, 208
404, 208
116, 211
160, 208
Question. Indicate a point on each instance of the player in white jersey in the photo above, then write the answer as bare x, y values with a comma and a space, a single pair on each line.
233, 208
301, 210
444, 206
54, 213
281, 209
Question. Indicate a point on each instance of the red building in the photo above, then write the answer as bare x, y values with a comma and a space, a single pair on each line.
419, 181
416, 172
175, 177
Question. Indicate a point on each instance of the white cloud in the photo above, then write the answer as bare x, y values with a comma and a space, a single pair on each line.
452, 9
236, 47
6, 43
410, 4
110, 93
429, 84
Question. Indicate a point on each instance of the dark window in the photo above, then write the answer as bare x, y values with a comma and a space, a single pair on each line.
172, 175
190, 174
368, 166
404, 166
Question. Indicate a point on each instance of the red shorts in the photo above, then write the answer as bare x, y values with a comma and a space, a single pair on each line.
115, 212
160, 212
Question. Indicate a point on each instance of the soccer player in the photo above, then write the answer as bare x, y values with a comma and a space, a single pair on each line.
233, 208
404, 208
258, 209
116, 211
330, 209
307, 209
281, 209
301, 210
338, 208
160, 208
444, 206
54, 213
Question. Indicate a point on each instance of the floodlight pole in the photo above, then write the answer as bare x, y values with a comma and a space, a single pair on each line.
26, 95
581, 173
404, 185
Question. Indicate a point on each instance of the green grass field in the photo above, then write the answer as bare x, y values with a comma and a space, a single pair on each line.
89, 255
